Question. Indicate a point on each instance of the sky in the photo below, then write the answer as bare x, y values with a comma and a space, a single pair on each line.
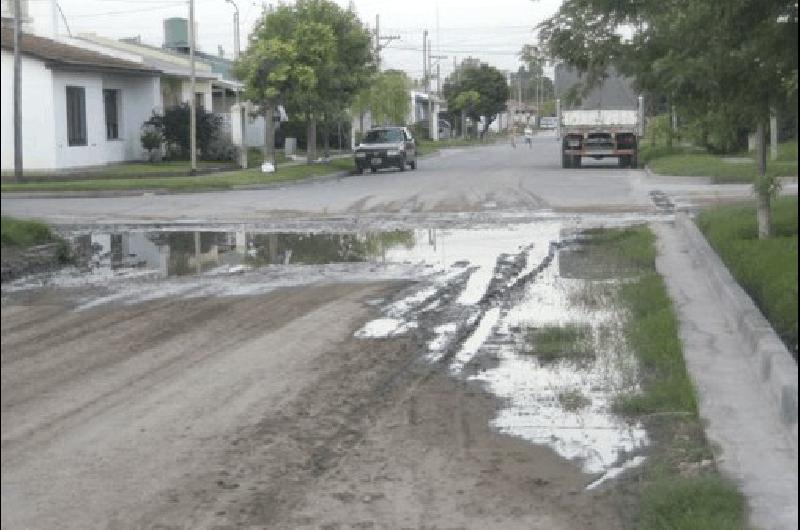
492, 30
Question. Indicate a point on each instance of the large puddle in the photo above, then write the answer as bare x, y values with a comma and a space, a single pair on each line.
478, 297
479, 318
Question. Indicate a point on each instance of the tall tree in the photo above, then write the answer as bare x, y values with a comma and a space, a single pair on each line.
312, 56
487, 82
724, 63
386, 98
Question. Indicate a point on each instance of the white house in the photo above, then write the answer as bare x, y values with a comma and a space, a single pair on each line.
79, 107
174, 68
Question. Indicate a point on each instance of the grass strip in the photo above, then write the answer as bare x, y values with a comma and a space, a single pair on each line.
698, 503
167, 168
224, 180
765, 268
691, 162
23, 233
669, 496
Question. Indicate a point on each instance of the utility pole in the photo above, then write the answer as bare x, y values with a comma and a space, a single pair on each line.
17, 94
425, 60
438, 71
193, 98
430, 64
381, 42
243, 147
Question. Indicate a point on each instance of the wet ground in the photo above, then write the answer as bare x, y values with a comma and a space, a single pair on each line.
360, 353
444, 308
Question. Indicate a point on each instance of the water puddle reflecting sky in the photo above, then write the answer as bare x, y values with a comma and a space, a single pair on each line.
481, 332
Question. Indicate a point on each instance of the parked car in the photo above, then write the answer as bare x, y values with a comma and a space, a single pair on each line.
384, 147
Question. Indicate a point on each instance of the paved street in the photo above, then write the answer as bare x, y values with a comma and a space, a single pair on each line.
496, 178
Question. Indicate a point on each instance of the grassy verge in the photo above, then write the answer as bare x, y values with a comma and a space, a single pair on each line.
224, 180
766, 269
20, 234
693, 163
678, 488
170, 168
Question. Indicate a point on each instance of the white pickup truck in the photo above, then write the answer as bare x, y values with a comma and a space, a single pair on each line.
600, 133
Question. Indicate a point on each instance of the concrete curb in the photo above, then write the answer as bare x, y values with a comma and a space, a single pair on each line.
773, 365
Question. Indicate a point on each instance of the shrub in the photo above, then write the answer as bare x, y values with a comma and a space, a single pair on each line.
173, 125
151, 139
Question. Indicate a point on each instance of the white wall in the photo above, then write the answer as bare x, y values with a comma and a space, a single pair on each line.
138, 97
203, 87
38, 136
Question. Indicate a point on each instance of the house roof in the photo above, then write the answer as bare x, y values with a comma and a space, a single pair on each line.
163, 60
61, 55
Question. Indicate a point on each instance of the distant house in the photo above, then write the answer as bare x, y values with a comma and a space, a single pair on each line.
215, 86
79, 107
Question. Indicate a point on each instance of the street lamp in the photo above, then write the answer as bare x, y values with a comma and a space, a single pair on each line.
243, 149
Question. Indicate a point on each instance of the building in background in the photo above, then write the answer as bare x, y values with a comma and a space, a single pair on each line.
79, 107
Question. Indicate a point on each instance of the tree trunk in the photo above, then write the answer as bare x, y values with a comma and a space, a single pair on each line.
652, 133
311, 140
463, 124
326, 141
762, 189
669, 126
269, 125
773, 134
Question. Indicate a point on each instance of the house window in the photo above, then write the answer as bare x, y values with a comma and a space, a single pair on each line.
111, 105
76, 115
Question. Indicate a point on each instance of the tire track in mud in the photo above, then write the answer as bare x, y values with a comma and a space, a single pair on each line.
341, 407
507, 285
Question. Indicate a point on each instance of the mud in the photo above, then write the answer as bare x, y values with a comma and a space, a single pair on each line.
309, 380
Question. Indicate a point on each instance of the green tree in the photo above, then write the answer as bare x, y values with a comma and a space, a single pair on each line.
722, 63
313, 57
487, 82
386, 98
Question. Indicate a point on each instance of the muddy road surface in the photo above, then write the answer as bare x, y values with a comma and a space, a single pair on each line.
263, 411
348, 353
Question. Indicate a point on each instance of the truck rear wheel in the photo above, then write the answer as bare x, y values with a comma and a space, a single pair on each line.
576, 161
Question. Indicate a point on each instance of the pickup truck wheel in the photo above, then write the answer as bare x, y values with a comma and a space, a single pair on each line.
373, 169
403, 164
413, 165
624, 161
565, 161
576, 161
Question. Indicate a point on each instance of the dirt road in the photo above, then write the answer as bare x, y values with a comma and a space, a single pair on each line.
259, 411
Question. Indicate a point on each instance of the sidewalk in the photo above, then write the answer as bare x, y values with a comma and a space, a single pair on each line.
753, 446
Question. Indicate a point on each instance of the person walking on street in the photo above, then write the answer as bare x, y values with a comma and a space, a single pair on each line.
529, 137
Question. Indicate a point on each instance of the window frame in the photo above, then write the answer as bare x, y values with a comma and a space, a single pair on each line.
77, 134
117, 107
